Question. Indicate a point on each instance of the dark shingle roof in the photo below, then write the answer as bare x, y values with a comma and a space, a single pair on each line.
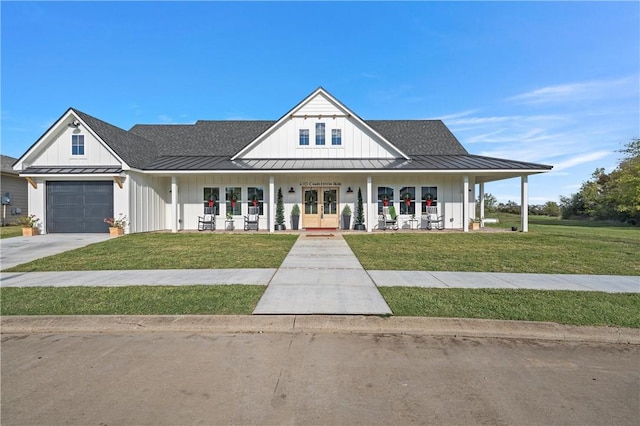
202, 138
6, 164
419, 137
136, 151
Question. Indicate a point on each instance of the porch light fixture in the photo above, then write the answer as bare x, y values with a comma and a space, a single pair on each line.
292, 191
349, 190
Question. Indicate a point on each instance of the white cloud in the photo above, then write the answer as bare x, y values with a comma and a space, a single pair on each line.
580, 92
581, 159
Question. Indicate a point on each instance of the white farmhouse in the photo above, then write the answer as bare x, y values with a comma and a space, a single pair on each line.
320, 153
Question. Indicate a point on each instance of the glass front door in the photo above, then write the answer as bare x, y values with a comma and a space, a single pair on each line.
320, 208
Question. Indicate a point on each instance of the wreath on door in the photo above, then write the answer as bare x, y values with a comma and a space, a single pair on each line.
310, 198
328, 197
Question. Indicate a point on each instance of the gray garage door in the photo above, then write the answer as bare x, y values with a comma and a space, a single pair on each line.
79, 206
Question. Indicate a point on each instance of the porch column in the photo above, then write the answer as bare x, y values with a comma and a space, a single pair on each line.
524, 203
465, 204
481, 204
370, 213
174, 204
271, 220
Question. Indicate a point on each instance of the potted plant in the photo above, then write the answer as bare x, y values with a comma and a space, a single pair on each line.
346, 217
29, 225
295, 217
229, 222
474, 224
116, 226
280, 212
359, 222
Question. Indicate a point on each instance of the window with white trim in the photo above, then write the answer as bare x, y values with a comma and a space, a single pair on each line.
77, 144
385, 197
429, 197
256, 198
408, 200
304, 137
211, 197
320, 134
233, 200
336, 137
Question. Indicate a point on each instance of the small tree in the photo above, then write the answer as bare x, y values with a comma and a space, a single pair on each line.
359, 210
280, 208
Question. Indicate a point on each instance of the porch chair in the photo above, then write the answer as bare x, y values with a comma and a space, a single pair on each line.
388, 218
432, 219
208, 220
251, 220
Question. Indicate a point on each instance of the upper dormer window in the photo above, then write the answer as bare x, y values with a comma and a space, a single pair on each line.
304, 136
319, 133
77, 144
336, 137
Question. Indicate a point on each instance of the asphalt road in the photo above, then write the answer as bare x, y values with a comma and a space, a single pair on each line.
300, 378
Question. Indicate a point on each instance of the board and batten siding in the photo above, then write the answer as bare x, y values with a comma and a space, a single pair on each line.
149, 203
358, 141
58, 151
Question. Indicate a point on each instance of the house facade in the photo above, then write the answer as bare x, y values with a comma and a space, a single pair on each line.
14, 192
319, 154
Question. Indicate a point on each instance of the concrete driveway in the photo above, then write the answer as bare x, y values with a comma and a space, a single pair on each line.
17, 250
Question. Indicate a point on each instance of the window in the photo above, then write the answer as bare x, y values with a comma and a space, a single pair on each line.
336, 137
385, 197
233, 200
304, 136
429, 197
256, 198
319, 133
77, 144
408, 200
211, 200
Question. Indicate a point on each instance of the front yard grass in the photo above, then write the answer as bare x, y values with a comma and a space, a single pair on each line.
10, 231
546, 249
582, 308
171, 251
131, 300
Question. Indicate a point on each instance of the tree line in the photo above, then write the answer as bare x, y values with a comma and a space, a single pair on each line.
611, 196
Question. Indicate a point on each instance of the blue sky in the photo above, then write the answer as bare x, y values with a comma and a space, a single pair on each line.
547, 82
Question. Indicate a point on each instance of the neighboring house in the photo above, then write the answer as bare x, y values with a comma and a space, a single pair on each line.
13, 189
319, 153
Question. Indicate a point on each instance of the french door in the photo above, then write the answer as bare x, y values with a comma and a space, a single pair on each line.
320, 208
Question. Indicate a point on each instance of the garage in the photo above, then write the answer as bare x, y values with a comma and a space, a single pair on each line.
79, 206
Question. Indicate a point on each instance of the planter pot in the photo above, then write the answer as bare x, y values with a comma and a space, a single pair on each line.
346, 222
30, 232
295, 222
474, 226
360, 227
115, 232
280, 227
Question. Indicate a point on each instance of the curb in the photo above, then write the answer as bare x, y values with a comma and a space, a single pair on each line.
455, 327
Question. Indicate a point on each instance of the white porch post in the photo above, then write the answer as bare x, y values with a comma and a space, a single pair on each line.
524, 203
481, 204
465, 204
272, 204
370, 212
174, 204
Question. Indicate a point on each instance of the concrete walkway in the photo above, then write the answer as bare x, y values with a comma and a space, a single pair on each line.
321, 275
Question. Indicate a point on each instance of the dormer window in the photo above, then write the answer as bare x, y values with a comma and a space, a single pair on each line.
319, 133
304, 136
77, 144
336, 137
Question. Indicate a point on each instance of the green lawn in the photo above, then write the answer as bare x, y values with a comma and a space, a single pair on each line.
10, 231
171, 251
550, 247
134, 300
566, 307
